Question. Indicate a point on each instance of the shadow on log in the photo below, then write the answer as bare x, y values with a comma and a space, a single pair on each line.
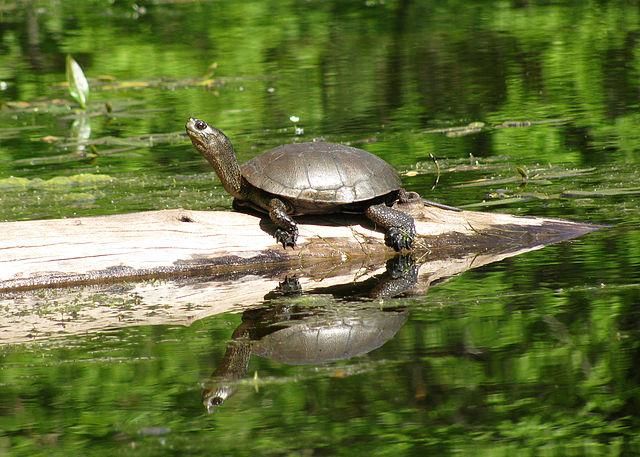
59, 277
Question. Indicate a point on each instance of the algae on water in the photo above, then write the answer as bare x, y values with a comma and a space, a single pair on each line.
79, 180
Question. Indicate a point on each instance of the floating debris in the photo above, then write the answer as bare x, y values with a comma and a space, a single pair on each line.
542, 177
296, 129
600, 193
476, 127
154, 431
472, 127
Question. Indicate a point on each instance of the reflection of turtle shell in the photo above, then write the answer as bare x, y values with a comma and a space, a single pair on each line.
324, 339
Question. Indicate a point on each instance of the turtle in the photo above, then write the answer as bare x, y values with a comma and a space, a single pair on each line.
309, 178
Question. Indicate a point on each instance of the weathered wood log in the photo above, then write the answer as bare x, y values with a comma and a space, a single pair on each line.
178, 266
164, 243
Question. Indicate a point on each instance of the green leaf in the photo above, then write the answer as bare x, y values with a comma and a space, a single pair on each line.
78, 84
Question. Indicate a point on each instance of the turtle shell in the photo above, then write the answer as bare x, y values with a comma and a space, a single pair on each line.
321, 172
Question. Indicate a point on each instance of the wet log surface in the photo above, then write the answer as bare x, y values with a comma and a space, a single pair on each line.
177, 266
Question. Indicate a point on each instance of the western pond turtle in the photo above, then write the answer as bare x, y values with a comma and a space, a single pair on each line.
309, 178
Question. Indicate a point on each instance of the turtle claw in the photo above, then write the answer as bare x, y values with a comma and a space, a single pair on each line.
399, 239
287, 237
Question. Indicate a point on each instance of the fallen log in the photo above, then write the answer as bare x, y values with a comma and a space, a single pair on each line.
156, 244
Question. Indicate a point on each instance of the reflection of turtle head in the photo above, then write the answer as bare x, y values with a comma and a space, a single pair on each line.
232, 367
300, 336
212, 398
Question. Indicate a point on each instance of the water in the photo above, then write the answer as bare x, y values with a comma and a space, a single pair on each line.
534, 355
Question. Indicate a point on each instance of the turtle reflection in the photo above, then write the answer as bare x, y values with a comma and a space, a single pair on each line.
311, 335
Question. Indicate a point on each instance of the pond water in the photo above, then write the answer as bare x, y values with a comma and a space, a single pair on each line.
536, 355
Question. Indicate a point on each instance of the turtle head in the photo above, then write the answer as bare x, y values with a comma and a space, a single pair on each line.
218, 150
205, 138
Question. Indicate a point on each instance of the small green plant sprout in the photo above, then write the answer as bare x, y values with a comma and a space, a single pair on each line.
78, 84
437, 179
523, 173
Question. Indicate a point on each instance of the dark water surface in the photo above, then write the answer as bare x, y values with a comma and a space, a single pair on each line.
534, 355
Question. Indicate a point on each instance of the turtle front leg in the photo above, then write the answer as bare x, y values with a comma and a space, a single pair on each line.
400, 229
287, 231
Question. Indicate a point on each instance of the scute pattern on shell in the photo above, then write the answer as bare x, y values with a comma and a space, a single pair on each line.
321, 172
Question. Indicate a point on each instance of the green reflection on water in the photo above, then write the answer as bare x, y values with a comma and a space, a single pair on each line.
487, 361
536, 355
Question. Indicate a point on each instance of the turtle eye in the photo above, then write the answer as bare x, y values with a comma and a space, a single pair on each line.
200, 125
217, 401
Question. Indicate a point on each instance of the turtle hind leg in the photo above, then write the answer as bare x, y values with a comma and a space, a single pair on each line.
405, 196
400, 229
287, 230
